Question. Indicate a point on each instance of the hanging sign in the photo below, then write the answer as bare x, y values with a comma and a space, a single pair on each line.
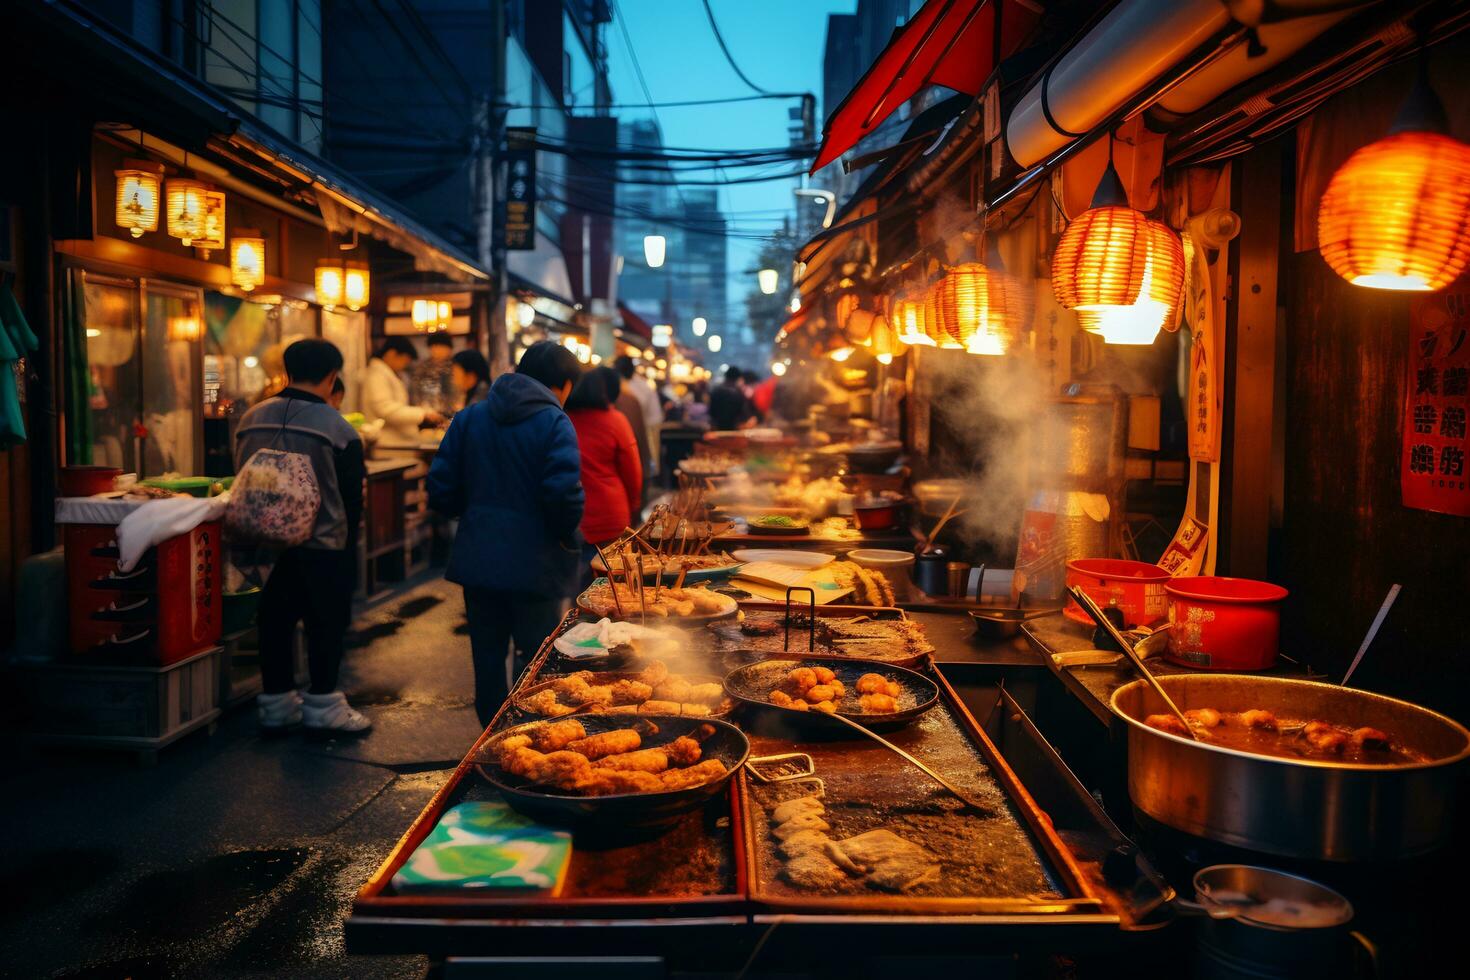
520, 189
1437, 394
1202, 392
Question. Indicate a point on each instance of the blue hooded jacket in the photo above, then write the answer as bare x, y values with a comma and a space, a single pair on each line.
509, 469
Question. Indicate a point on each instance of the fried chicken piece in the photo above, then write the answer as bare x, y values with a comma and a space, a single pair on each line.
659, 708
820, 692
630, 692
783, 700
711, 693
1371, 738
520, 760
598, 694
804, 842
802, 804
683, 751
825, 706
606, 782
802, 678
621, 709
673, 689
872, 684
643, 760
557, 735
545, 703
878, 704
563, 769
802, 821
1204, 717
617, 741
1258, 718
824, 675
691, 710
511, 742
654, 674
695, 775
1324, 737
812, 870
1167, 723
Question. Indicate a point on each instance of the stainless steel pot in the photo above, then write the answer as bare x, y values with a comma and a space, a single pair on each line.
1331, 811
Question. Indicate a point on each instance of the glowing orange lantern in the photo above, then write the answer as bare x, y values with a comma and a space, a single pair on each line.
1396, 215
331, 282
247, 258
356, 281
188, 207
1100, 259
1159, 299
136, 208
846, 302
906, 317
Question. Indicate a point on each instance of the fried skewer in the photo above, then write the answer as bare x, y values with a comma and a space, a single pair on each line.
612, 583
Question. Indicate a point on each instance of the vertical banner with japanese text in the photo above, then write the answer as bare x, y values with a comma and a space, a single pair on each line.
520, 189
1432, 471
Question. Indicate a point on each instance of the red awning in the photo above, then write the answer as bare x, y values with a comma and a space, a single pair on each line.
948, 42
633, 323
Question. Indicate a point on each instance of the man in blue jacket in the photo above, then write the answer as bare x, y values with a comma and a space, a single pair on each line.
509, 469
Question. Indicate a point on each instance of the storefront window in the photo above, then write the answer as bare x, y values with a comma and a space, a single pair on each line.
171, 381
244, 342
114, 385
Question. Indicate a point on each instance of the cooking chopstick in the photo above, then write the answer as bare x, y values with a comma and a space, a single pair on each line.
1388, 601
1085, 601
923, 768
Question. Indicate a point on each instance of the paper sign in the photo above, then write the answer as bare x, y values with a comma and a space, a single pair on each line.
1432, 468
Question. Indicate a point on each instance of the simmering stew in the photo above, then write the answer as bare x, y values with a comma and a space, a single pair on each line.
1262, 733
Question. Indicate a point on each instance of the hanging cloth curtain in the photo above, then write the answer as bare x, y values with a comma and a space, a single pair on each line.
77, 397
16, 340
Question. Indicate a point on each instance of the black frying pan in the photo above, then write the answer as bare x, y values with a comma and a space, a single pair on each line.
622, 811
753, 683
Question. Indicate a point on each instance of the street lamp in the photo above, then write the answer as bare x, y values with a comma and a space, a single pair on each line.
653, 250
769, 279
714, 343
699, 325
822, 197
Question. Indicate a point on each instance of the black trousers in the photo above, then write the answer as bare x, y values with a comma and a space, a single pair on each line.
497, 618
311, 586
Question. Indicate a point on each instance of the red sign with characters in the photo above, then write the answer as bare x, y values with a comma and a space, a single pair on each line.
1433, 470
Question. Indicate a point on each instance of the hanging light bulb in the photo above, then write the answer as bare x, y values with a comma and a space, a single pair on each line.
884, 343
1396, 215
1138, 323
840, 354
769, 280
1101, 256
187, 208
525, 314
653, 250
699, 325
247, 258
356, 282
795, 306
330, 282
714, 343
778, 368
424, 313
136, 208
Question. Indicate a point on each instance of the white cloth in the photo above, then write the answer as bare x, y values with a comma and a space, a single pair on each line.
385, 398
589, 641
157, 521
653, 416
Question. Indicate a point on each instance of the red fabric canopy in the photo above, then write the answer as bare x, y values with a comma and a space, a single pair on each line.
633, 323
948, 42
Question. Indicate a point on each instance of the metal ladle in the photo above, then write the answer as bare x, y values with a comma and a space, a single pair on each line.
1086, 602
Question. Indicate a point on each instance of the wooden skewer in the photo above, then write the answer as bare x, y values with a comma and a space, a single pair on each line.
612, 583
679, 583
642, 602
940, 526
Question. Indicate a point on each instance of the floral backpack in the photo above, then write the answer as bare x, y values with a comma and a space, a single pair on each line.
274, 499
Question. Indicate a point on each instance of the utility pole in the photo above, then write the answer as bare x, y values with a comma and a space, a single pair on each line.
491, 132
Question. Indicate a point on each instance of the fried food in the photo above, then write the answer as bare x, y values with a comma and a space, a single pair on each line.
802, 821
654, 673
653, 600
696, 775
630, 692
561, 768
546, 703
802, 804
659, 708
1258, 718
557, 735
1167, 723
1324, 737
691, 710
870, 849
824, 674
877, 684
813, 870
820, 692
783, 700
826, 707
1204, 717
614, 742
878, 704
710, 693
1371, 738
804, 842
802, 679
675, 688
605, 782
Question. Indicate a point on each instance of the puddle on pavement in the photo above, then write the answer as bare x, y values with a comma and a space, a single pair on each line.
305, 926
50, 876
187, 902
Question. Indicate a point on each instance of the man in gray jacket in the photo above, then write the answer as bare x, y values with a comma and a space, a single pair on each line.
312, 582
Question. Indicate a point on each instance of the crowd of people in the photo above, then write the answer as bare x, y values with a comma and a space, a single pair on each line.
537, 469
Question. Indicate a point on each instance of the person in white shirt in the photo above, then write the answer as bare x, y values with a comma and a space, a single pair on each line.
385, 396
653, 413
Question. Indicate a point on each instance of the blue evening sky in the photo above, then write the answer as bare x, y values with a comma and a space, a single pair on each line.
777, 43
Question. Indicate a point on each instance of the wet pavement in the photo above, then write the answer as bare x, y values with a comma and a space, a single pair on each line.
236, 856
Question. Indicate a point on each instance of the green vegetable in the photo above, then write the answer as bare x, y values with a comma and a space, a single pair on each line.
777, 520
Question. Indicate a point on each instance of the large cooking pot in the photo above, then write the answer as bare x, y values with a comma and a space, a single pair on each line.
1331, 811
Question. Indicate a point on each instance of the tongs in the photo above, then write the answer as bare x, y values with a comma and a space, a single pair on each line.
1086, 602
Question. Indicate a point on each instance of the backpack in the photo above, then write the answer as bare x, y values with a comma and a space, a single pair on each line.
274, 499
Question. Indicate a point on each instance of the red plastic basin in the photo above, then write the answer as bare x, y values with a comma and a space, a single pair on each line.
1135, 587
1224, 623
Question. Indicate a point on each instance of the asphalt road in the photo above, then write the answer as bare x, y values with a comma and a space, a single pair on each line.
236, 856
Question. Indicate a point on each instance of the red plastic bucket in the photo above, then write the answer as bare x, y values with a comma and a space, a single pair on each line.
85, 481
1135, 587
1224, 623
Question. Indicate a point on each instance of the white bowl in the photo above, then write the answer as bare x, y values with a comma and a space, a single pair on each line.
881, 558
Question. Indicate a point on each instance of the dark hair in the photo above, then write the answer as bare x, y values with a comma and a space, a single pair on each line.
440, 340
338, 388
598, 388
733, 374
311, 360
624, 364
472, 362
398, 345
549, 363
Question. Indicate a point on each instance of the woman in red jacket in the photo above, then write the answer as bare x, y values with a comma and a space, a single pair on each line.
611, 473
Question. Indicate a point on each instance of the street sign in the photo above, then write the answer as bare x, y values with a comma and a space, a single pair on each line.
520, 189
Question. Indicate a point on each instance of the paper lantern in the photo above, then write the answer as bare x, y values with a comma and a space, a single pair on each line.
699, 325
331, 282
1159, 299
906, 317
654, 247
980, 308
860, 327
247, 258
769, 280
137, 196
884, 343
184, 329
356, 281
935, 323
1100, 258
188, 208
845, 302
1396, 215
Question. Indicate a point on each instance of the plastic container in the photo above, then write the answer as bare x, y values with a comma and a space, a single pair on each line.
1134, 587
1224, 623
879, 515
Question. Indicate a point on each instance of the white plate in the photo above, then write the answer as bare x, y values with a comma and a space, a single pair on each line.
796, 559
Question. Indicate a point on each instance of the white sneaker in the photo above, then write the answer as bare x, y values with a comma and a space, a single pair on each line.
331, 714
278, 713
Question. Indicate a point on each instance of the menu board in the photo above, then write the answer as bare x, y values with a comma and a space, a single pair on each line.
1437, 395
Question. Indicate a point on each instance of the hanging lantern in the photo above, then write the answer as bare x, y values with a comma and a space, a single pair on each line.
247, 258
769, 280
1100, 259
840, 354
1138, 323
935, 324
331, 282
906, 317
844, 302
356, 281
975, 302
423, 313
184, 329
654, 247
1396, 215
884, 343
699, 325
137, 196
860, 327
188, 208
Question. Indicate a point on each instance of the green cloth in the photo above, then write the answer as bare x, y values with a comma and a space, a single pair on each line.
487, 846
77, 402
16, 340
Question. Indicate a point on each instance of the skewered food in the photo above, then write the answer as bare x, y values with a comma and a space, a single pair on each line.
708, 464
694, 775
1263, 733
654, 601
895, 641
653, 691
869, 586
674, 564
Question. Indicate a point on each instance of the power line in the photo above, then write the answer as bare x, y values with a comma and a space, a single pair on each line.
713, 26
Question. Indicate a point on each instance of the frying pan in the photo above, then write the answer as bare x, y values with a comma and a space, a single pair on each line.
619, 811
753, 683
